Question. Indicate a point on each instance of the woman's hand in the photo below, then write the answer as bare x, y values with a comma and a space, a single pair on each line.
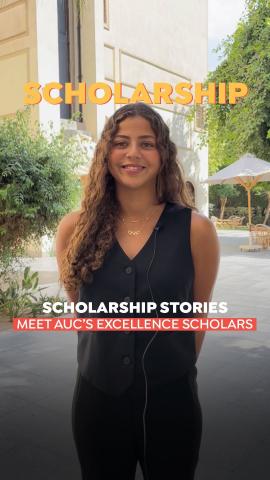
206, 255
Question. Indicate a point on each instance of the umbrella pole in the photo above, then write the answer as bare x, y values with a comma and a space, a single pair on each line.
249, 207
249, 214
248, 186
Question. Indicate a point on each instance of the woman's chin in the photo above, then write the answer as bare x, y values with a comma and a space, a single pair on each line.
132, 184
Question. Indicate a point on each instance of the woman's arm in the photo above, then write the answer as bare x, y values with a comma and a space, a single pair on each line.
63, 234
205, 253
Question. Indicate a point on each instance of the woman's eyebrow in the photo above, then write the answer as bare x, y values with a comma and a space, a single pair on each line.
141, 136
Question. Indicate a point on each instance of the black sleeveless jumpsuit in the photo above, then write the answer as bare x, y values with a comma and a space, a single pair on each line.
110, 391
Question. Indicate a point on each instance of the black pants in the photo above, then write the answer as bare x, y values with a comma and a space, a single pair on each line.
108, 431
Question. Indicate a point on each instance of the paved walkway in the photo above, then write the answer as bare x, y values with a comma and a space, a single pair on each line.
37, 376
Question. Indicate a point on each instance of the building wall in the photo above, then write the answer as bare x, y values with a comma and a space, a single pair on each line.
93, 67
28, 52
47, 57
18, 58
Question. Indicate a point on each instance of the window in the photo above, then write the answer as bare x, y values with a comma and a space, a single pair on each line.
64, 54
106, 14
74, 47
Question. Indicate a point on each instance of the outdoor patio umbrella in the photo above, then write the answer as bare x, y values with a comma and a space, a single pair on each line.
247, 171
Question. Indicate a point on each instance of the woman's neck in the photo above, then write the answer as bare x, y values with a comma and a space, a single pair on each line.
133, 202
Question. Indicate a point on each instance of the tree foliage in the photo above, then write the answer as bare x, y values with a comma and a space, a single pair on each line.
37, 182
232, 130
245, 127
223, 193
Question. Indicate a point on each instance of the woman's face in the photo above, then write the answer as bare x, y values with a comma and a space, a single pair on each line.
134, 160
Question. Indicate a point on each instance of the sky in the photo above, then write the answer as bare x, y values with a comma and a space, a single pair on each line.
223, 16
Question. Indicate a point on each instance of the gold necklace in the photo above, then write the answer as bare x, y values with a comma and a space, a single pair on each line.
136, 232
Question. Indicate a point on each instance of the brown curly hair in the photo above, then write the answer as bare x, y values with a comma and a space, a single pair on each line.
94, 233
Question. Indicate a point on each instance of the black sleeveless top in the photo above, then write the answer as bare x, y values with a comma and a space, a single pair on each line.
110, 360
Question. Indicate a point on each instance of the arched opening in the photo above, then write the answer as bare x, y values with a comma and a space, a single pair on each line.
191, 191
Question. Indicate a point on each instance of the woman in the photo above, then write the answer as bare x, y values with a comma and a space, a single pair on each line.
137, 239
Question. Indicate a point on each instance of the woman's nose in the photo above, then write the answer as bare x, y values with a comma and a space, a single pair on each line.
133, 151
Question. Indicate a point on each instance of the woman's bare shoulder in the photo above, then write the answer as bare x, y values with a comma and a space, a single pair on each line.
201, 224
203, 234
67, 224
69, 220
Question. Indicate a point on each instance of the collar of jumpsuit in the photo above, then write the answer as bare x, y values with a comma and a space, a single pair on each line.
113, 360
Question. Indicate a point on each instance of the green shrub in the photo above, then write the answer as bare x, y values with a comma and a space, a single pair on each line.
24, 298
257, 213
38, 184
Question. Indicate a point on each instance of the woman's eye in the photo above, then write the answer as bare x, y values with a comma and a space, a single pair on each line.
119, 144
148, 145
124, 144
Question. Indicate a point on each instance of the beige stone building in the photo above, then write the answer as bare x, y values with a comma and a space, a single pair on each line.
110, 41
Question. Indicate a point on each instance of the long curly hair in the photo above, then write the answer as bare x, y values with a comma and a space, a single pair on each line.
94, 233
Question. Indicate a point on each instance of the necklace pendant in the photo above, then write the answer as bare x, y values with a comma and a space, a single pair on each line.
134, 232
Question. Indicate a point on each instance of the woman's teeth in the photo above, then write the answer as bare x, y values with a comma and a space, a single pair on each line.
133, 168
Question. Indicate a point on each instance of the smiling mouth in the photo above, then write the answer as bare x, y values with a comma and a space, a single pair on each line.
133, 168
